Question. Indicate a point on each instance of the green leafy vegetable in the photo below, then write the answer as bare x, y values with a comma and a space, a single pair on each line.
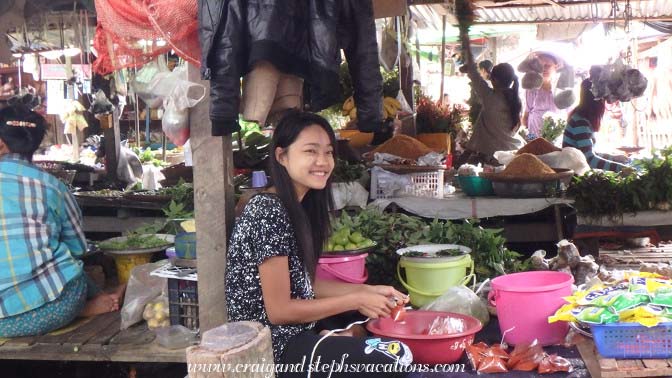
134, 241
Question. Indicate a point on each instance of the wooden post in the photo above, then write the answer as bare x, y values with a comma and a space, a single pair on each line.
443, 57
245, 344
112, 140
214, 206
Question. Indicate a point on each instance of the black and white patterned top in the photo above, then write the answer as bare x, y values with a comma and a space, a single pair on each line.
263, 230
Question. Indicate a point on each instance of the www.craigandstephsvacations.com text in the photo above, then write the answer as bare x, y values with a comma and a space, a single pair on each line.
319, 366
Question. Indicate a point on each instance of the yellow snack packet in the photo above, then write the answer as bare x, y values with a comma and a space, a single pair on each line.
631, 274
564, 314
648, 316
189, 225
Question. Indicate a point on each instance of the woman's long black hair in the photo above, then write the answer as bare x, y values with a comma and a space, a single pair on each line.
22, 140
309, 217
504, 77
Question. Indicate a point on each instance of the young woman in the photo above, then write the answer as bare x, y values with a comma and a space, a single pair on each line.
584, 121
273, 253
496, 126
42, 284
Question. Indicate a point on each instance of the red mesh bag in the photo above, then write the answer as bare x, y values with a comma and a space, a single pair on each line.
122, 24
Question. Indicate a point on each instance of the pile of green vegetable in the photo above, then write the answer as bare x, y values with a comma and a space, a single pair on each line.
182, 193
552, 128
606, 194
133, 241
347, 172
392, 231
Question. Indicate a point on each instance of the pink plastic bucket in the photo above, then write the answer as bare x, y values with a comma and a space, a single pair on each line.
350, 269
524, 301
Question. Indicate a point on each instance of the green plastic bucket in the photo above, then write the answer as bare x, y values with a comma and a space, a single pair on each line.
426, 281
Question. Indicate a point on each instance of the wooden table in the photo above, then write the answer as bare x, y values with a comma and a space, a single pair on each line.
118, 214
97, 340
601, 367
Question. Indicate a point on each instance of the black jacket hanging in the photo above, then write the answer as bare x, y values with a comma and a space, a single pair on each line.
299, 37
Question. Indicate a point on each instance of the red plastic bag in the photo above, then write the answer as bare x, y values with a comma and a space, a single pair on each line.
554, 364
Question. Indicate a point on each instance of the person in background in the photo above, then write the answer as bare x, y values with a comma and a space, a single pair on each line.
584, 121
485, 68
42, 283
497, 123
540, 101
446, 99
273, 255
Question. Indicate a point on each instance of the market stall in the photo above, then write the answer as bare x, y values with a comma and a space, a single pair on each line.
410, 168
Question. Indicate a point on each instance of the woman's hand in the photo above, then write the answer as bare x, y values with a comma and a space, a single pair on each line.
389, 292
620, 159
373, 304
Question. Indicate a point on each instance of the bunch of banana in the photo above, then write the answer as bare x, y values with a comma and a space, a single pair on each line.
391, 107
349, 108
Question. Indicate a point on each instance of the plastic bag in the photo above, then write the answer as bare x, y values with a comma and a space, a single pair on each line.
462, 300
526, 357
178, 94
349, 194
156, 313
146, 78
101, 104
175, 123
445, 325
389, 48
141, 289
176, 337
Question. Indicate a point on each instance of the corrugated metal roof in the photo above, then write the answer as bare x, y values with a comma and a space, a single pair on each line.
582, 11
429, 15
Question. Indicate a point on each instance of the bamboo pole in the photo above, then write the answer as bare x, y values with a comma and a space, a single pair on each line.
443, 57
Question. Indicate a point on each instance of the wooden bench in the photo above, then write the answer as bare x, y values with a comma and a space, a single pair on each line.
98, 339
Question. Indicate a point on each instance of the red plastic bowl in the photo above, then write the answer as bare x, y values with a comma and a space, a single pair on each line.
428, 349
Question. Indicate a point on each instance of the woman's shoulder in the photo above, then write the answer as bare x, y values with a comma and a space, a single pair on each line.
264, 204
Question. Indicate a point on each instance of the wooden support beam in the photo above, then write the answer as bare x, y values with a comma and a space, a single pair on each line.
443, 57
214, 206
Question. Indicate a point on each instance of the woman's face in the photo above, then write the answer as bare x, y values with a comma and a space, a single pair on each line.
549, 66
309, 160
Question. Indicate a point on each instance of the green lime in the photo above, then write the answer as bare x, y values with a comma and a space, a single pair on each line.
350, 246
341, 240
356, 237
338, 248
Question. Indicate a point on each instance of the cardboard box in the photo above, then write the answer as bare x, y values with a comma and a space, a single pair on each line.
389, 8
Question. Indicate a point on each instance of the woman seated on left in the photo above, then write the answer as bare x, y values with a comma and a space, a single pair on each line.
42, 283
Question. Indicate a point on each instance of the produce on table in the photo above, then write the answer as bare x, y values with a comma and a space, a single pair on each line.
442, 253
404, 146
393, 231
343, 239
134, 241
391, 107
156, 313
607, 194
568, 260
105, 193
526, 166
347, 172
539, 146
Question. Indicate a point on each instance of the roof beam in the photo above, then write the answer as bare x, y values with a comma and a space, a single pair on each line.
574, 21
